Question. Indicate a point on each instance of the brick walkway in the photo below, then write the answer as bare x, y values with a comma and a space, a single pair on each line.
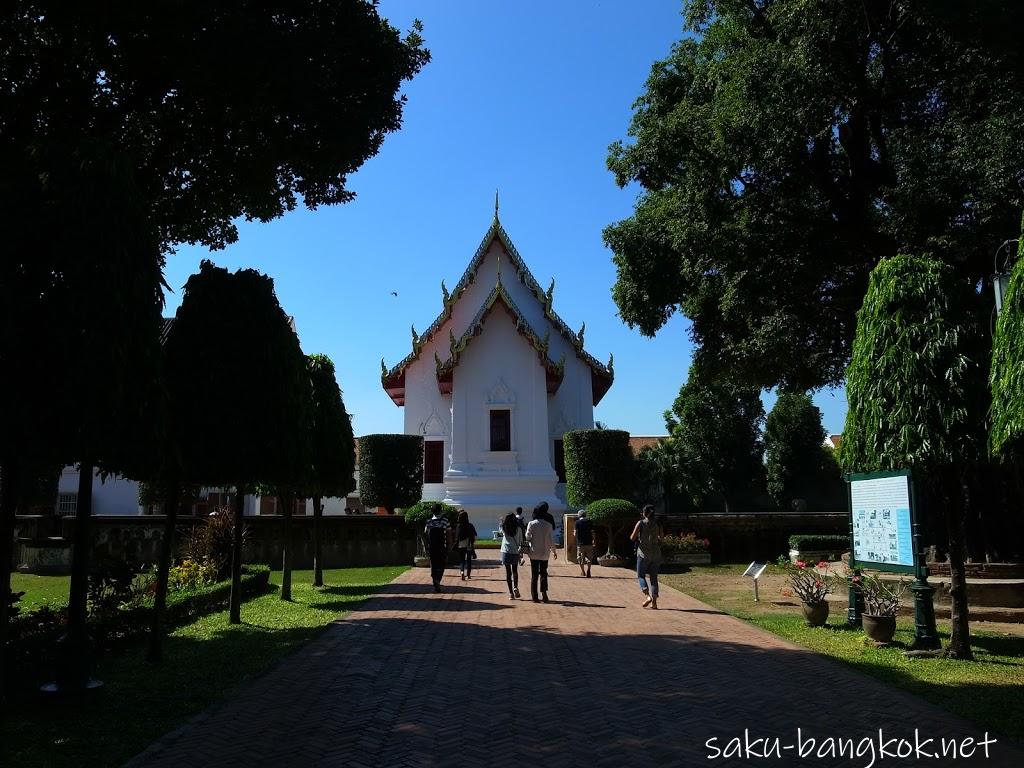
469, 678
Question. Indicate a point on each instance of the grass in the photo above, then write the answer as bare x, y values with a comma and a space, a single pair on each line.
988, 691
204, 660
487, 544
40, 590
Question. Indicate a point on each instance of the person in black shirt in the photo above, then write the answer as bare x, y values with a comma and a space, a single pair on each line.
584, 543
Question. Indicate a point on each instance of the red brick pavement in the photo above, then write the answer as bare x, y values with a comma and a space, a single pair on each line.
469, 678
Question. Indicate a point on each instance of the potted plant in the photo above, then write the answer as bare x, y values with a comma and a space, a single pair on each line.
613, 515
811, 584
881, 604
686, 549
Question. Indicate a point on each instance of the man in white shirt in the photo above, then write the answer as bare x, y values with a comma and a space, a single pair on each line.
540, 534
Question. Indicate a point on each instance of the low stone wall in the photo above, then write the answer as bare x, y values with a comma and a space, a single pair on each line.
349, 541
736, 537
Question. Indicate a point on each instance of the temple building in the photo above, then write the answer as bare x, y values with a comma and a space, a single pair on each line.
493, 384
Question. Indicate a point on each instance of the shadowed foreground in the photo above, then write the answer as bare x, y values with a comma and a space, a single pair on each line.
469, 678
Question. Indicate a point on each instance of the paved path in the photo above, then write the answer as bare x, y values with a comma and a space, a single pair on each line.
469, 678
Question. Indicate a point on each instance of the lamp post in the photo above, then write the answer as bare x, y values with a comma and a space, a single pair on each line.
1001, 277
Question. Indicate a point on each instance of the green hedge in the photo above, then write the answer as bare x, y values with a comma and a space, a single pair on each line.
390, 470
419, 513
598, 465
808, 542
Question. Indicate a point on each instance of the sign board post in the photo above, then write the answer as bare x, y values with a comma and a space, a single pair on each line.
754, 571
885, 536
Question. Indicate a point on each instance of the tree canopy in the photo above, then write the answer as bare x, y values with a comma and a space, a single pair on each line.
1006, 437
784, 147
332, 454
237, 383
716, 433
226, 111
390, 470
916, 382
793, 446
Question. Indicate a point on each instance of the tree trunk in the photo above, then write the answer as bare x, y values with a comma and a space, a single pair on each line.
235, 609
74, 669
960, 635
285, 503
8, 494
318, 569
156, 633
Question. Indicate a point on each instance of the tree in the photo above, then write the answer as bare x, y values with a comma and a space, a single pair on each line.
613, 515
80, 285
332, 447
91, 91
783, 148
390, 470
1006, 438
417, 515
598, 465
238, 391
917, 397
793, 445
716, 433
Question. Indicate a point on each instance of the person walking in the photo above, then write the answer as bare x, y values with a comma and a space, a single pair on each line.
584, 543
512, 539
438, 532
522, 527
465, 539
540, 534
647, 535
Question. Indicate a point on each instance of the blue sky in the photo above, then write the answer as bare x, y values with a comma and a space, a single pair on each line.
524, 97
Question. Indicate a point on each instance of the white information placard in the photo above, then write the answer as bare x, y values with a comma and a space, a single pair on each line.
881, 521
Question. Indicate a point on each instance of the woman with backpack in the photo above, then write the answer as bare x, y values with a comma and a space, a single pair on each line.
647, 535
511, 549
465, 538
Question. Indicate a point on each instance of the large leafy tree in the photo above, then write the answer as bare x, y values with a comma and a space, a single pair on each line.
80, 288
716, 434
332, 448
794, 449
238, 391
1006, 438
390, 470
917, 397
784, 147
218, 113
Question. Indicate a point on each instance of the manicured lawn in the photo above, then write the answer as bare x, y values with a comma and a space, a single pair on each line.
487, 544
203, 662
989, 690
40, 590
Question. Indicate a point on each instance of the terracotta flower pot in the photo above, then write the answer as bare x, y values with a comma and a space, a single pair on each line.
815, 614
881, 629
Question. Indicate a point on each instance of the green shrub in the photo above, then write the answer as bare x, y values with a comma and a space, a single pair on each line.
191, 574
211, 541
613, 515
598, 465
419, 513
685, 544
390, 470
816, 542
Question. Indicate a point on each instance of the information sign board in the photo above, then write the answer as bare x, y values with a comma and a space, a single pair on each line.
881, 508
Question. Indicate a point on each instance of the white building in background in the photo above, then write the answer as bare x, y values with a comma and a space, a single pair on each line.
493, 384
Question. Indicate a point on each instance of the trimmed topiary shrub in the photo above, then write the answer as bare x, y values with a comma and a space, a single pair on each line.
613, 515
419, 513
598, 465
390, 470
